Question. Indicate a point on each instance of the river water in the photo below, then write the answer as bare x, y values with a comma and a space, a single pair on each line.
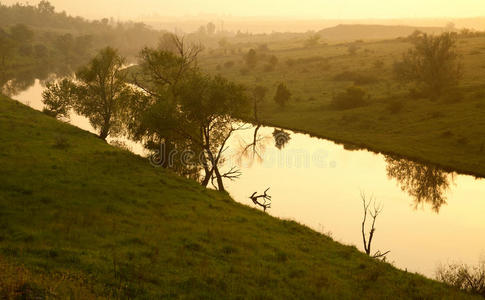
428, 216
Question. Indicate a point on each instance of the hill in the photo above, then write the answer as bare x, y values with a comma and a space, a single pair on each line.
372, 32
82, 219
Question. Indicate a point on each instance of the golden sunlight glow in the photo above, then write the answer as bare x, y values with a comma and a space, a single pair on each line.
328, 9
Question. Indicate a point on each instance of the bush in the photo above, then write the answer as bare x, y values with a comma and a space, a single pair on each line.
268, 68
470, 279
357, 78
353, 97
228, 64
244, 71
395, 107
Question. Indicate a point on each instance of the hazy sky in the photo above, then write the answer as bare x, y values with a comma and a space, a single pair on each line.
328, 9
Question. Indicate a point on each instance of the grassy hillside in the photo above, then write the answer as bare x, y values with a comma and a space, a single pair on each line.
350, 32
81, 218
448, 132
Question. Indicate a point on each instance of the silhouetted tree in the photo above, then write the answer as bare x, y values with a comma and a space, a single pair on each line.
59, 98
282, 95
21, 34
259, 93
433, 64
251, 58
352, 49
367, 238
6, 49
45, 7
211, 28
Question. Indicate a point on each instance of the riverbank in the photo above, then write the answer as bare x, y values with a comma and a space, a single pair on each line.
447, 133
449, 136
99, 221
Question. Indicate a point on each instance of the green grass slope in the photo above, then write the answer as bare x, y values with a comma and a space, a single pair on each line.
82, 219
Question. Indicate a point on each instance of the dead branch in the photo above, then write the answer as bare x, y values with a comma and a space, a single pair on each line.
374, 214
265, 201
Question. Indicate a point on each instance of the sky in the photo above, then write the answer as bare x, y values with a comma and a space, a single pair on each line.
326, 9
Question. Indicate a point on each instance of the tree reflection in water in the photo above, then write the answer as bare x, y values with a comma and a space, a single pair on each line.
281, 138
254, 150
425, 183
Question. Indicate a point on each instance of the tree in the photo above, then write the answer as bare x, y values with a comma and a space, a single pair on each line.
21, 34
102, 92
58, 98
251, 58
211, 28
45, 7
368, 240
210, 104
312, 41
186, 111
259, 93
352, 49
224, 44
433, 64
6, 49
282, 95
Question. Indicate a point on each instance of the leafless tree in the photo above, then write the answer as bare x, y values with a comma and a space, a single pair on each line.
265, 201
374, 214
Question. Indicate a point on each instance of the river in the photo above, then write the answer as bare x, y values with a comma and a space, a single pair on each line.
428, 217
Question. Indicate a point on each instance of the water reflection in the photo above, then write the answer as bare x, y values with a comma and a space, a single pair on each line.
254, 150
425, 183
281, 138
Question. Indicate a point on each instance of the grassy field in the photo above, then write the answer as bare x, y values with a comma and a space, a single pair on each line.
82, 219
448, 132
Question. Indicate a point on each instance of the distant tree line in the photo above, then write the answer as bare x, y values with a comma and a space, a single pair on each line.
37, 41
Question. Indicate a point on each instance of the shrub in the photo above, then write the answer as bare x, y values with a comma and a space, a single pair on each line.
353, 97
244, 71
395, 107
357, 78
268, 68
228, 64
470, 279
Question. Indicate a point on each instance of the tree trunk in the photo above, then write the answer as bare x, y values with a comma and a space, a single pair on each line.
220, 184
104, 133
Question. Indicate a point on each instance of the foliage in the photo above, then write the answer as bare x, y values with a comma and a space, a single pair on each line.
464, 277
282, 95
312, 41
186, 110
433, 64
99, 93
353, 97
358, 78
251, 58
58, 98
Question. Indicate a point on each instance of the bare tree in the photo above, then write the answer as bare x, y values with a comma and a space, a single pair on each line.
374, 214
265, 201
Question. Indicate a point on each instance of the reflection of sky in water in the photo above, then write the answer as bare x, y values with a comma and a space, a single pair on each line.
318, 183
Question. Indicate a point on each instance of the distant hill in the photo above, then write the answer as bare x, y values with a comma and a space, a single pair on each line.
372, 32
